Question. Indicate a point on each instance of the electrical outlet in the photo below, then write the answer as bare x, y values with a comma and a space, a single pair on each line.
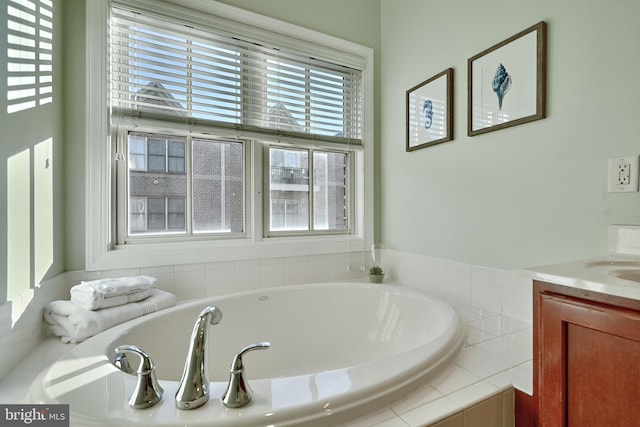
623, 174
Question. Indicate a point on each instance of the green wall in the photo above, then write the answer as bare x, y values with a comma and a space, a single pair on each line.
355, 20
31, 179
74, 125
521, 196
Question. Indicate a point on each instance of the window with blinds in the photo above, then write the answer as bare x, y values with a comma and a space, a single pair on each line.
177, 71
205, 120
29, 54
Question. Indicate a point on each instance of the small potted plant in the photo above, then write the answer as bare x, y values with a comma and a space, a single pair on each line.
376, 274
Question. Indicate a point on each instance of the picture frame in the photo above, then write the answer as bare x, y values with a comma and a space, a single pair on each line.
507, 82
430, 111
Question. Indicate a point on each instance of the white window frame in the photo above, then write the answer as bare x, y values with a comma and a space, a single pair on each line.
267, 208
102, 253
121, 180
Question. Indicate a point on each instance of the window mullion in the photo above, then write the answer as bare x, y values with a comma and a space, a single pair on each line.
166, 155
120, 150
311, 173
189, 196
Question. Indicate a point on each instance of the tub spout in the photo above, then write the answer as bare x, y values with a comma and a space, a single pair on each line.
193, 390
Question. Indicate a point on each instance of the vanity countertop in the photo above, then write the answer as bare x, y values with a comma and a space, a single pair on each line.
613, 275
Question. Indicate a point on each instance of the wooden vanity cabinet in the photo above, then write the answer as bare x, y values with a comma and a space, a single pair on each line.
586, 358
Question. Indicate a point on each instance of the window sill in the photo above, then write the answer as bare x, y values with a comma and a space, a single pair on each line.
202, 252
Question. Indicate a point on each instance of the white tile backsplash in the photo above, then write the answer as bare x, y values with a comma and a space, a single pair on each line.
458, 283
273, 272
492, 289
340, 267
517, 296
166, 276
297, 270
248, 275
486, 289
320, 267
624, 239
191, 281
358, 265
76, 276
408, 269
435, 275
221, 278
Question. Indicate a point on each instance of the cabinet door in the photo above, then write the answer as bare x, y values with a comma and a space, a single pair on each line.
588, 364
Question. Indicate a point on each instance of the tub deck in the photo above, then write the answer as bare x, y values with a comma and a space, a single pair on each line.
496, 358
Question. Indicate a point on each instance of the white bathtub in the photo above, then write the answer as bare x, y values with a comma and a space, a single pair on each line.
337, 350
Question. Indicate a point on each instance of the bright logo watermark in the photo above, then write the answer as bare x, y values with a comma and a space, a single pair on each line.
34, 415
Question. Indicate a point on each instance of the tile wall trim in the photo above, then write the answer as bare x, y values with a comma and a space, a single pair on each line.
496, 290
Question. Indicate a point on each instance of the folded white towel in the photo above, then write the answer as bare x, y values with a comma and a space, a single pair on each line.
104, 293
74, 323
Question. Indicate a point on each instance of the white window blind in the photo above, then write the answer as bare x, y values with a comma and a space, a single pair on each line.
179, 72
29, 54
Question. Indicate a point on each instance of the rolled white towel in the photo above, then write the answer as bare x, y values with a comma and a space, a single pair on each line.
111, 292
75, 324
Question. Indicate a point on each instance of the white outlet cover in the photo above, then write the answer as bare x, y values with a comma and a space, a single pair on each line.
613, 186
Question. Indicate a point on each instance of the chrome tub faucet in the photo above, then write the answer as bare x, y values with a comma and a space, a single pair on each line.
193, 390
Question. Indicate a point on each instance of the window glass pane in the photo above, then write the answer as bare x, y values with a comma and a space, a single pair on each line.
218, 186
156, 149
330, 191
137, 152
156, 216
137, 213
289, 189
176, 214
157, 197
278, 220
176, 161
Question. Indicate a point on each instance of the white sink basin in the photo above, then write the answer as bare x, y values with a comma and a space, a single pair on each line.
613, 263
632, 274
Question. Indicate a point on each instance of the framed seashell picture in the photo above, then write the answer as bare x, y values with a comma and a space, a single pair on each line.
430, 111
507, 82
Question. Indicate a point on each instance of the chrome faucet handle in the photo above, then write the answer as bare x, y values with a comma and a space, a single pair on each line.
148, 391
121, 361
238, 392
